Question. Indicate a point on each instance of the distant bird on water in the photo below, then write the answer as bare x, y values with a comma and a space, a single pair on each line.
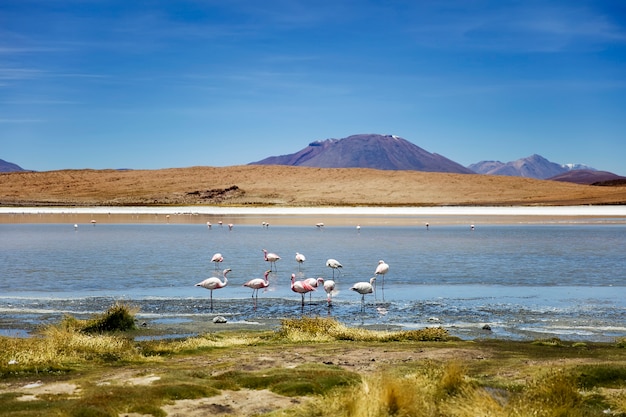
364, 288
214, 283
257, 283
300, 258
301, 287
334, 264
217, 258
382, 269
271, 258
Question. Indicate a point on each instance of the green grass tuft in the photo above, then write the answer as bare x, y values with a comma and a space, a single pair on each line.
607, 376
300, 381
322, 329
118, 318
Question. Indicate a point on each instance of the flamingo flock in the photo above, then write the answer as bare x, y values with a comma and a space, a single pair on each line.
303, 286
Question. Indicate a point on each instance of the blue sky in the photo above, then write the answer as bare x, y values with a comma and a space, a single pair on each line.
157, 84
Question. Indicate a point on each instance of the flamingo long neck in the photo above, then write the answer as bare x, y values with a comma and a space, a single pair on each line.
224, 273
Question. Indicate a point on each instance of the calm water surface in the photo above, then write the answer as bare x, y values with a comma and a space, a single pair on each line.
525, 281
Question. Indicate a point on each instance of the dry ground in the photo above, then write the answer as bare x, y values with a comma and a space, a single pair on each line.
290, 186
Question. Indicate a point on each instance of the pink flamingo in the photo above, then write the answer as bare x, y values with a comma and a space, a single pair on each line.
214, 283
314, 282
382, 269
329, 287
300, 287
217, 258
300, 258
271, 258
257, 283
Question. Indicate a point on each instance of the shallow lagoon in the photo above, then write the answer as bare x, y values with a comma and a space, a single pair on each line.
525, 280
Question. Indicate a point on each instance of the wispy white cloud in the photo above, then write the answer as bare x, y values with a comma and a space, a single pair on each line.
19, 73
519, 28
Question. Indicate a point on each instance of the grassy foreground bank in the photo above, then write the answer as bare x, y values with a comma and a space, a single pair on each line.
309, 367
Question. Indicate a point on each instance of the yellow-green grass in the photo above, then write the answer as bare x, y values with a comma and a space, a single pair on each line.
344, 371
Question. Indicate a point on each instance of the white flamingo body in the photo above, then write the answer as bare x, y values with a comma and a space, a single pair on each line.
329, 287
257, 283
217, 258
334, 264
364, 288
270, 257
300, 258
314, 282
382, 269
214, 283
301, 287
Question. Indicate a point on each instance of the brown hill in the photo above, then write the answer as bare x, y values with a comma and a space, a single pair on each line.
290, 186
585, 176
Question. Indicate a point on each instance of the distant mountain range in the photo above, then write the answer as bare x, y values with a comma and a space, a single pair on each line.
534, 166
391, 152
9, 166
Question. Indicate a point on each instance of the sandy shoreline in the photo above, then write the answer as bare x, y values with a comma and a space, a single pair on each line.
392, 216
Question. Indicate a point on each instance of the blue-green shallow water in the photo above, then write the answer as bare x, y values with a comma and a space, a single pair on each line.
525, 281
